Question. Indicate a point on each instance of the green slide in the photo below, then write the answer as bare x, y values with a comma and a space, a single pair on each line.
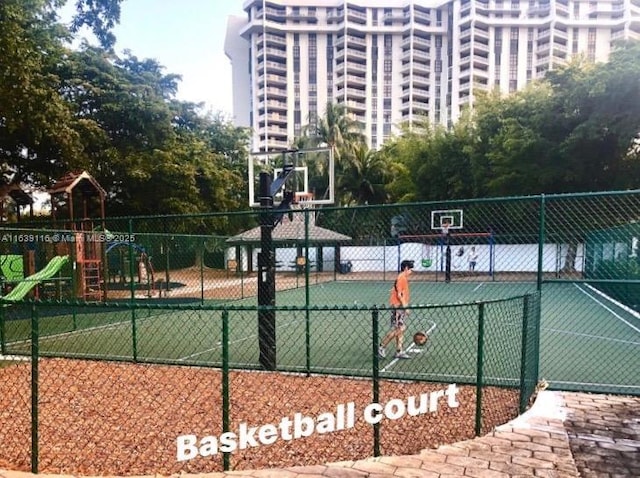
11, 266
25, 286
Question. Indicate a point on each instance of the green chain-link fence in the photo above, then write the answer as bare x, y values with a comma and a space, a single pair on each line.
132, 305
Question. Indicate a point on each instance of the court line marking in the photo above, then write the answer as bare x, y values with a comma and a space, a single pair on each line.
112, 325
591, 336
219, 346
475, 289
604, 306
385, 368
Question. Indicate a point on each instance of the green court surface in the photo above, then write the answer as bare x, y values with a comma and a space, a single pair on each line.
586, 338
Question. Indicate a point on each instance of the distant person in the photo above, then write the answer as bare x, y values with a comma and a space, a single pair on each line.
473, 259
399, 301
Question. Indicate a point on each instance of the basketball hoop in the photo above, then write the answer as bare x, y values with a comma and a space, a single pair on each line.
445, 229
303, 199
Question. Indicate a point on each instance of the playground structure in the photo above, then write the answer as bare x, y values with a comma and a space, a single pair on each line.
71, 259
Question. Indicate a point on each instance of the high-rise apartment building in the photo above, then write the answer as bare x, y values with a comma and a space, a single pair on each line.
395, 61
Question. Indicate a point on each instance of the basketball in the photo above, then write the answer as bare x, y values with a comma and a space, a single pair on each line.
420, 338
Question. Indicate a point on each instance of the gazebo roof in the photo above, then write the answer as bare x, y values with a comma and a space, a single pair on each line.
291, 232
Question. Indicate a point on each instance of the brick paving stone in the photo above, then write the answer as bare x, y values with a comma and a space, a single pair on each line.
443, 468
432, 455
484, 473
275, 473
511, 436
532, 462
453, 450
373, 466
335, 472
410, 461
511, 468
490, 455
518, 449
528, 448
552, 442
415, 473
465, 462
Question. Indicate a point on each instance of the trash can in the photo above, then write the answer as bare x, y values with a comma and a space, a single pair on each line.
345, 267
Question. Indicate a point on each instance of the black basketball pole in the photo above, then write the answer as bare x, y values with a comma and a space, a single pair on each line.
266, 278
447, 257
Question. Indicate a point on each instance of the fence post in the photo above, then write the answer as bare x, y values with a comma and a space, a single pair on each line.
225, 384
524, 390
3, 339
541, 235
375, 376
132, 288
307, 297
479, 371
35, 352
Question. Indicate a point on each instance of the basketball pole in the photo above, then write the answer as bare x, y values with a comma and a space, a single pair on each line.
266, 278
267, 263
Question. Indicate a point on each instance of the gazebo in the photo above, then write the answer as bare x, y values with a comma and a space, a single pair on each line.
290, 233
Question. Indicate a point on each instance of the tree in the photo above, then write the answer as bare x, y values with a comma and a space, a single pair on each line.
362, 179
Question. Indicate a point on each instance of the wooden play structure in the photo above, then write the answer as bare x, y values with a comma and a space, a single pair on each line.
77, 208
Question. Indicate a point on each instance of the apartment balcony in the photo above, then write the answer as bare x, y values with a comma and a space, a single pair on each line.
272, 80
356, 106
421, 68
272, 52
417, 43
416, 55
420, 93
356, 16
418, 17
539, 11
562, 35
466, 34
335, 15
356, 80
480, 61
273, 93
272, 39
351, 41
352, 67
277, 132
395, 15
273, 119
278, 15
302, 16
273, 105
272, 67
543, 49
353, 93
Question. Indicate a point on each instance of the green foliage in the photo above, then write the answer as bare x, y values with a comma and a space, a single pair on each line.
116, 117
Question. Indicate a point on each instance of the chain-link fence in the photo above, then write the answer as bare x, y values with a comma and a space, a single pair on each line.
124, 389
130, 311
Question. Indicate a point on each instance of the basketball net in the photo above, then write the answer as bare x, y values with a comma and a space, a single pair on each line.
301, 201
445, 229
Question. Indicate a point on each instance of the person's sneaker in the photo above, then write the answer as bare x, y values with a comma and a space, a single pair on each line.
382, 353
402, 355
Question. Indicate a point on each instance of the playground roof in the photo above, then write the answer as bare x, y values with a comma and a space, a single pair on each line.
87, 184
291, 232
15, 192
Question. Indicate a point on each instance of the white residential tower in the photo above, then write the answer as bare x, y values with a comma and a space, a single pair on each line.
394, 61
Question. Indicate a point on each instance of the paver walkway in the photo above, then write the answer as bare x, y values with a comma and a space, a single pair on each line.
563, 435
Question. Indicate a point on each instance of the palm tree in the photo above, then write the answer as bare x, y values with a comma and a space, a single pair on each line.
337, 130
363, 177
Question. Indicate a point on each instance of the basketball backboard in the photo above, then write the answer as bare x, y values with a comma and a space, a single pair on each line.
311, 176
446, 219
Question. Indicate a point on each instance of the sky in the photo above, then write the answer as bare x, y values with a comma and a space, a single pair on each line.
187, 38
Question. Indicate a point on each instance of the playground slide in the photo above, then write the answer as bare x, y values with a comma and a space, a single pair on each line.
24, 287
